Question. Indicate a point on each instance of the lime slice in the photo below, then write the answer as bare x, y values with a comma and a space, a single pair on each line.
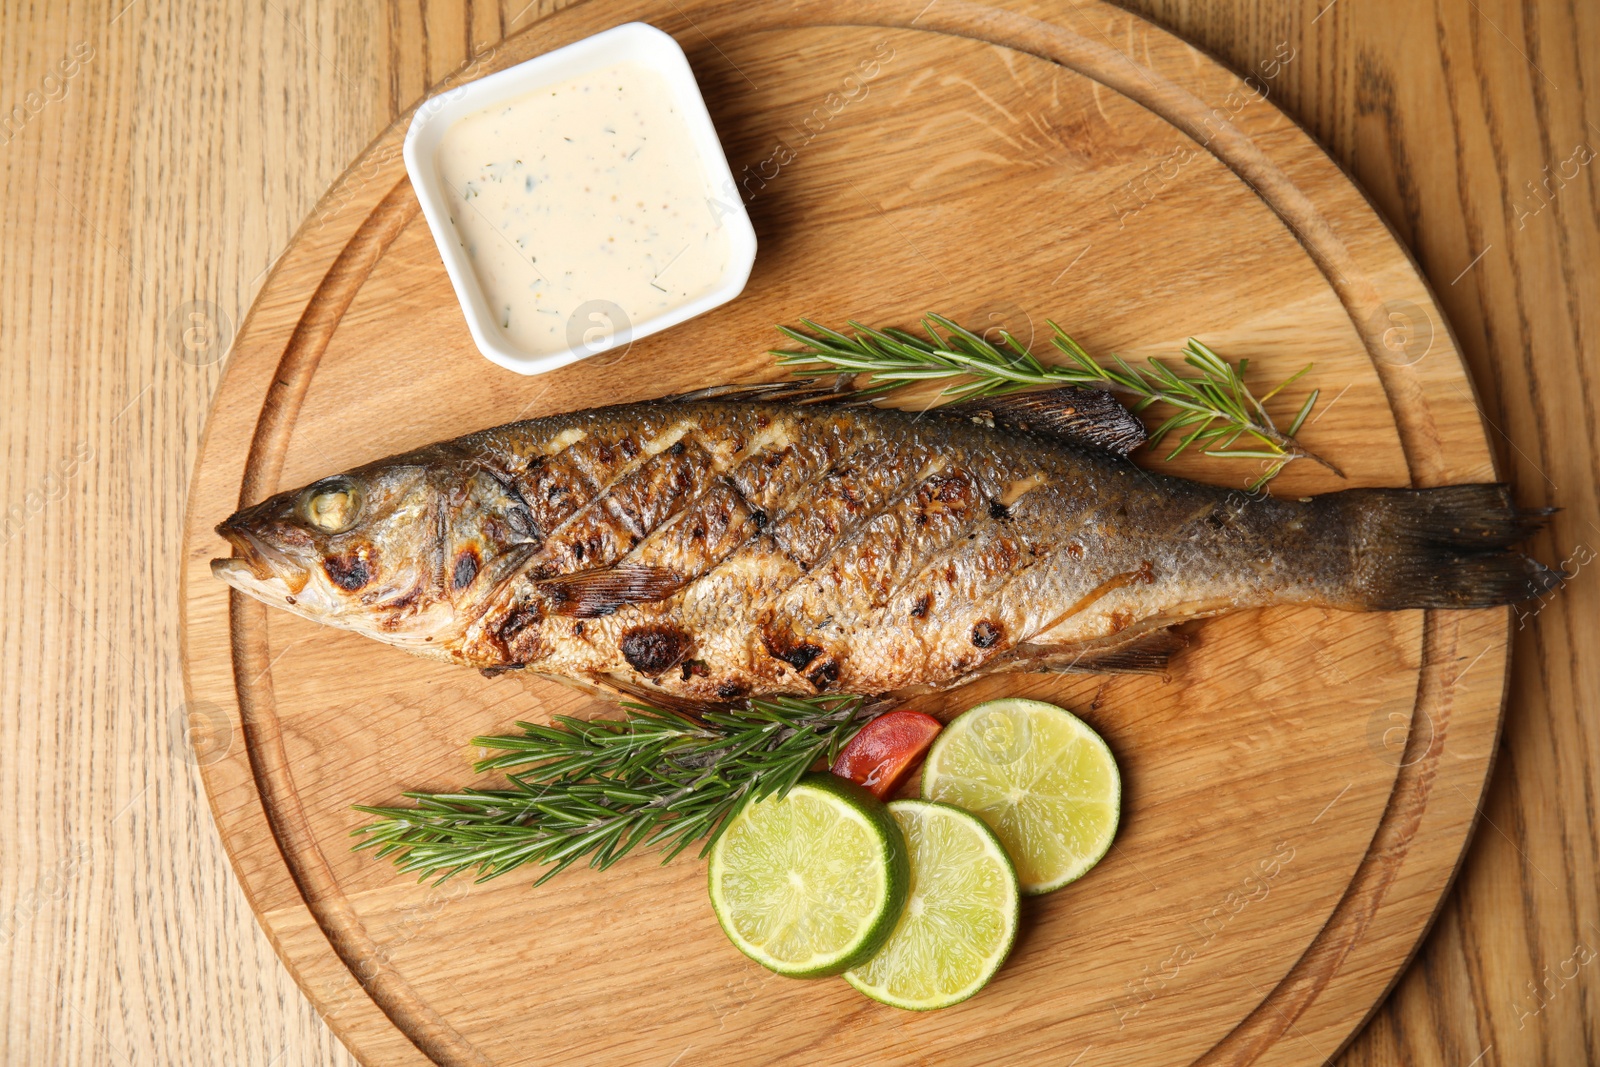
959, 920
810, 884
1042, 780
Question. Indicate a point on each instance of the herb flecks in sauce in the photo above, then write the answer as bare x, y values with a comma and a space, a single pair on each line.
590, 190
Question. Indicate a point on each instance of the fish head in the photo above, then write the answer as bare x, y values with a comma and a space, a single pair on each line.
408, 551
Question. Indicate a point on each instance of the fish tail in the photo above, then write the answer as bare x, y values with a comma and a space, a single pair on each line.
1448, 547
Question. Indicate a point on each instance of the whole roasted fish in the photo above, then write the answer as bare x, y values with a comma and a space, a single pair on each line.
748, 541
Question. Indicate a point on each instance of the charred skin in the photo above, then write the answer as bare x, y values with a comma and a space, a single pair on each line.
708, 551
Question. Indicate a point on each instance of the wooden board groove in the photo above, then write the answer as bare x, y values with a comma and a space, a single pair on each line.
304, 307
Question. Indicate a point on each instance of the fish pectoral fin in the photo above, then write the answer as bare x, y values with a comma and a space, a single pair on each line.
1148, 653
1082, 416
593, 593
495, 672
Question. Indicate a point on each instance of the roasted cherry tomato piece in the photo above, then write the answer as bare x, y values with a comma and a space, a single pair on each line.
887, 750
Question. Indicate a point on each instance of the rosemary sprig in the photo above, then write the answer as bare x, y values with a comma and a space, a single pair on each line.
600, 788
1214, 408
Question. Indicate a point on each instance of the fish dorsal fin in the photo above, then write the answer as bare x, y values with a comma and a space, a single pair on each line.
1082, 416
831, 389
1090, 417
594, 593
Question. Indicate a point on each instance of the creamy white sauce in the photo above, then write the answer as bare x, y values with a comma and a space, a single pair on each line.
588, 190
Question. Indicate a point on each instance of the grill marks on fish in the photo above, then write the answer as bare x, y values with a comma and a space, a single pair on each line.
771, 511
657, 489
553, 487
939, 514
352, 569
864, 526
848, 492
788, 559
957, 591
702, 533
865, 559
986, 634
945, 521
772, 480
769, 488
935, 555
654, 650
569, 490
671, 505
1004, 576
716, 518
804, 550
851, 580
787, 461
874, 530
783, 541
518, 634
625, 511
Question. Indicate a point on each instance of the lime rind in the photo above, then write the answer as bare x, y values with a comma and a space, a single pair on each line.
960, 918
1040, 777
810, 884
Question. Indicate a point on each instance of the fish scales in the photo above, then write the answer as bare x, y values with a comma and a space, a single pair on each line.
710, 550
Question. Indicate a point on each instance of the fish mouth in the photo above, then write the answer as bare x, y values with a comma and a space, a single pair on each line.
241, 575
256, 567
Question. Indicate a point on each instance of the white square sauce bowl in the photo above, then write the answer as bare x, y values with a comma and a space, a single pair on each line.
580, 200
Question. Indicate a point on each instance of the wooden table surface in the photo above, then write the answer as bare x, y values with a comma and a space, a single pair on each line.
156, 157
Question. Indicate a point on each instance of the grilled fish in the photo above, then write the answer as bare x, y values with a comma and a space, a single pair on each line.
745, 541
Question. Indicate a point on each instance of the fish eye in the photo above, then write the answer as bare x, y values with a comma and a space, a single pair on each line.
331, 506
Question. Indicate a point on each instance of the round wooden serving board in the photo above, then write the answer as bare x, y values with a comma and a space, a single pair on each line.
1298, 793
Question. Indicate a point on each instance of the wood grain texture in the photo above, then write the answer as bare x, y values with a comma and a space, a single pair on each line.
323, 350
156, 177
